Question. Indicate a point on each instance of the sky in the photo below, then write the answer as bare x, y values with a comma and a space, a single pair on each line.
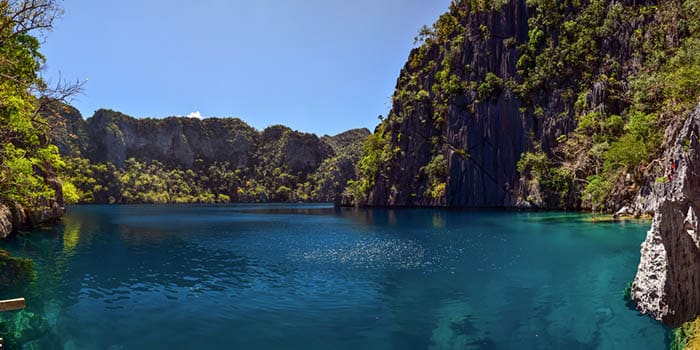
322, 66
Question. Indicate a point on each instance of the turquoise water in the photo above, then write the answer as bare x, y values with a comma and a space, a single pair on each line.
315, 277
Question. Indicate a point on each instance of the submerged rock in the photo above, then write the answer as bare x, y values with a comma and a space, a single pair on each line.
14, 272
667, 285
28, 330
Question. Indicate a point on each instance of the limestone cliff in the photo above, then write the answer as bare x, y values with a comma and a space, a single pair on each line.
478, 138
114, 137
227, 156
560, 86
667, 285
6, 225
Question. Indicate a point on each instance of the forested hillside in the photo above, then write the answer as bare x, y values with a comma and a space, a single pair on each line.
527, 103
114, 158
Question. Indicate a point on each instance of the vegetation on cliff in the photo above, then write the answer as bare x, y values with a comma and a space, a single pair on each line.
114, 158
581, 91
648, 84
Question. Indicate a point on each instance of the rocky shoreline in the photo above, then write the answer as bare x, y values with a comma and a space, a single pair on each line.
14, 216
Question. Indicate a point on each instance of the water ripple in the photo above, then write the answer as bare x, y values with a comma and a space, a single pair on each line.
373, 253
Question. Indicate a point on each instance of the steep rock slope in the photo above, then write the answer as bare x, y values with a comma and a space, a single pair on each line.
338, 168
39, 206
667, 285
114, 137
473, 145
532, 104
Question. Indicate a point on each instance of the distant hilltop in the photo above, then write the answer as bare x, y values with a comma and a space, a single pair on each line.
277, 161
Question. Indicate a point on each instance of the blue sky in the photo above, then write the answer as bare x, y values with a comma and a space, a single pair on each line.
320, 66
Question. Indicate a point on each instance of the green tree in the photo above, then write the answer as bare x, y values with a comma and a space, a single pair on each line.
26, 157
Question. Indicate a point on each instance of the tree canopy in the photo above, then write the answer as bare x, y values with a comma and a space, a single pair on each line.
26, 156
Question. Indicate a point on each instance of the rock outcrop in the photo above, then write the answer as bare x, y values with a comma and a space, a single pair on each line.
279, 146
47, 211
342, 151
667, 285
113, 137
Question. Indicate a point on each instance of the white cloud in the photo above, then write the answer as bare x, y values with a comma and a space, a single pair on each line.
195, 115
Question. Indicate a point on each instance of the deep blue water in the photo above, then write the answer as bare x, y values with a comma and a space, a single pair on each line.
315, 277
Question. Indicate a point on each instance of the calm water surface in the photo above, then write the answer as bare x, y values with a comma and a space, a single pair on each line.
313, 277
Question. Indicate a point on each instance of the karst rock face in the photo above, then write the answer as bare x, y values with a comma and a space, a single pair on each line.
667, 285
5, 221
460, 97
114, 137
495, 133
482, 141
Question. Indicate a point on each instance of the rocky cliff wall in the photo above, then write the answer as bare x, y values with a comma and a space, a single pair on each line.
114, 137
480, 137
667, 285
491, 82
493, 133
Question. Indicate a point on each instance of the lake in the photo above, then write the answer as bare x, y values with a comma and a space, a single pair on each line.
316, 277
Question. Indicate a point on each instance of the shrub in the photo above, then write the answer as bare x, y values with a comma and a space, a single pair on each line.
490, 87
70, 193
597, 191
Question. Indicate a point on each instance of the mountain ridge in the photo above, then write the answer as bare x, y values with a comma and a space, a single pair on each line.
283, 163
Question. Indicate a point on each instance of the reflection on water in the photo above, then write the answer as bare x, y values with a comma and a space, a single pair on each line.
71, 235
438, 219
316, 277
